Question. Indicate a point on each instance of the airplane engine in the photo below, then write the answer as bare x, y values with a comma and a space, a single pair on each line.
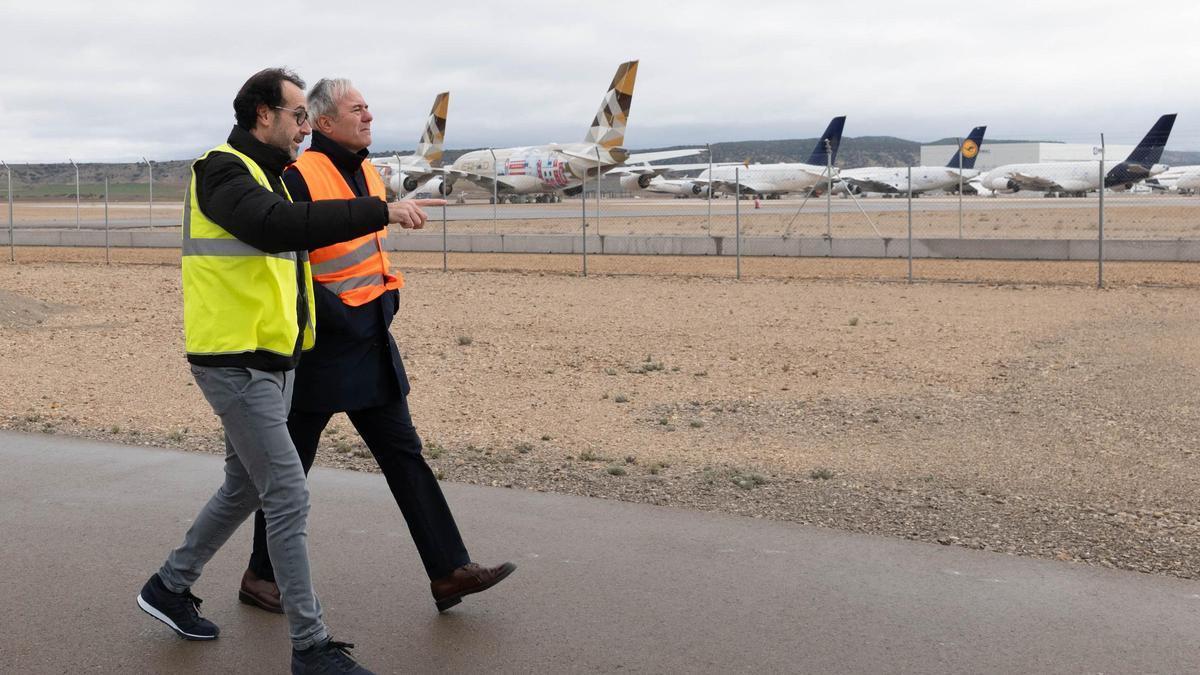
444, 189
1012, 185
410, 183
636, 182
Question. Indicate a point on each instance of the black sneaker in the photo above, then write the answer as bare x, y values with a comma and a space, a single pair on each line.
328, 658
180, 611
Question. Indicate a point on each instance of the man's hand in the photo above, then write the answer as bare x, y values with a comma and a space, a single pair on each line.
407, 213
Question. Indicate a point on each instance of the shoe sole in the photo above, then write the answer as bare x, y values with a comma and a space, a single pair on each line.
248, 599
446, 603
149, 609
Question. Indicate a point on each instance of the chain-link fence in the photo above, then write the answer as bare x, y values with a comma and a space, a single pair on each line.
744, 220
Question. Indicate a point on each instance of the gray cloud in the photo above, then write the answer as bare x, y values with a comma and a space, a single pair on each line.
120, 80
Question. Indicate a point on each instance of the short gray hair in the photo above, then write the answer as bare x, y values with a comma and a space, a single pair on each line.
324, 96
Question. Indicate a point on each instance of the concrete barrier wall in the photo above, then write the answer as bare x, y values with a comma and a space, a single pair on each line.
962, 249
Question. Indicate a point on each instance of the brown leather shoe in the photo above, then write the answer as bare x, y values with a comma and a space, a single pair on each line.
260, 593
470, 578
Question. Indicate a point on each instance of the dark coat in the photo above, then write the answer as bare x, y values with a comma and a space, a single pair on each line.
356, 363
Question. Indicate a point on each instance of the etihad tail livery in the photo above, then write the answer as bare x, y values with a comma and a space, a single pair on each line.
549, 171
894, 180
404, 175
1081, 177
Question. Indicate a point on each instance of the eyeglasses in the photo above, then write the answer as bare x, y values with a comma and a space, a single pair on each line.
300, 114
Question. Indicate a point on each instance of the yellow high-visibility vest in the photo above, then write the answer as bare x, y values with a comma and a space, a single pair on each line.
238, 299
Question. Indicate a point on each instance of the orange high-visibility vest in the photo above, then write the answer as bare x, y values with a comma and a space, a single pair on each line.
356, 270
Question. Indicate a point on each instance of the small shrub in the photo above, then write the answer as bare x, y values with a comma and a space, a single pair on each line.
695, 424
662, 421
621, 398
175, 436
854, 321
700, 373
524, 448
821, 473
589, 456
616, 471
630, 459
434, 450
747, 481
545, 437
114, 429
464, 340
344, 447
610, 371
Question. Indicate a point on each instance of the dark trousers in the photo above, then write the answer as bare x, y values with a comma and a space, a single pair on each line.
389, 433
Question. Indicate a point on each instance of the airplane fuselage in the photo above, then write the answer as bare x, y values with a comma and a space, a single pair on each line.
770, 178
1063, 176
895, 179
536, 169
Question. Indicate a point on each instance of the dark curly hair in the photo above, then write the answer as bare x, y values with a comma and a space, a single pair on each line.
263, 88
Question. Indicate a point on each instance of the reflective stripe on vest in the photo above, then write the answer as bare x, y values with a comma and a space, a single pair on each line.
357, 271
236, 298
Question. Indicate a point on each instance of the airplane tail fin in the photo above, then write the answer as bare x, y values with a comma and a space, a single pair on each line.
608, 128
1149, 151
430, 146
969, 149
832, 136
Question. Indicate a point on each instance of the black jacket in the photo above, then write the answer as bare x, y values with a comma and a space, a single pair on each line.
355, 363
227, 194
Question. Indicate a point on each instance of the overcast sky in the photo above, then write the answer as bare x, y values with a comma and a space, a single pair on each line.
117, 80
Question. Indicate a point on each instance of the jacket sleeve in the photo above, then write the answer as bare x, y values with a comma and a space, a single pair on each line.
229, 195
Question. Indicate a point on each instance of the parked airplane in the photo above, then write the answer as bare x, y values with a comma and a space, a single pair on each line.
1078, 178
416, 173
894, 180
773, 180
547, 172
1170, 180
649, 178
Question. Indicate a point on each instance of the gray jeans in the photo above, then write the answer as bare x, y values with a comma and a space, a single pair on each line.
263, 469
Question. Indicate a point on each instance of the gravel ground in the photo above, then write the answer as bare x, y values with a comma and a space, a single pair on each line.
1052, 421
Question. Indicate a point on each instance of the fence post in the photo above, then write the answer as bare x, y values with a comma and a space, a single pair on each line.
495, 193
708, 147
12, 248
1100, 246
76, 191
960, 187
829, 190
151, 167
445, 248
598, 172
910, 271
107, 255
583, 221
737, 218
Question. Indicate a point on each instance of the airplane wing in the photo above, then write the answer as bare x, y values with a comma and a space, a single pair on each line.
484, 181
641, 157
1028, 182
868, 185
747, 187
659, 169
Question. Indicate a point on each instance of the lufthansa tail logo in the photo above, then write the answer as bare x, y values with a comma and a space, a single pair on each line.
970, 149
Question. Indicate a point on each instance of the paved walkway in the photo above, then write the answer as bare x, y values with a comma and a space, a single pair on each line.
602, 586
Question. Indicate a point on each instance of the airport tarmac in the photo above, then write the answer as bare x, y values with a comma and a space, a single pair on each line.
602, 586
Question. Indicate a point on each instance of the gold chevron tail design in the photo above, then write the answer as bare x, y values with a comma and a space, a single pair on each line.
430, 146
608, 128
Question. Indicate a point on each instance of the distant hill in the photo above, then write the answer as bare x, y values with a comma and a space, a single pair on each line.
170, 177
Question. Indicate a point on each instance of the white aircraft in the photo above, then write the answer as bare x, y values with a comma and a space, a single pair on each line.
415, 175
1079, 178
1177, 178
894, 180
773, 180
547, 172
648, 177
